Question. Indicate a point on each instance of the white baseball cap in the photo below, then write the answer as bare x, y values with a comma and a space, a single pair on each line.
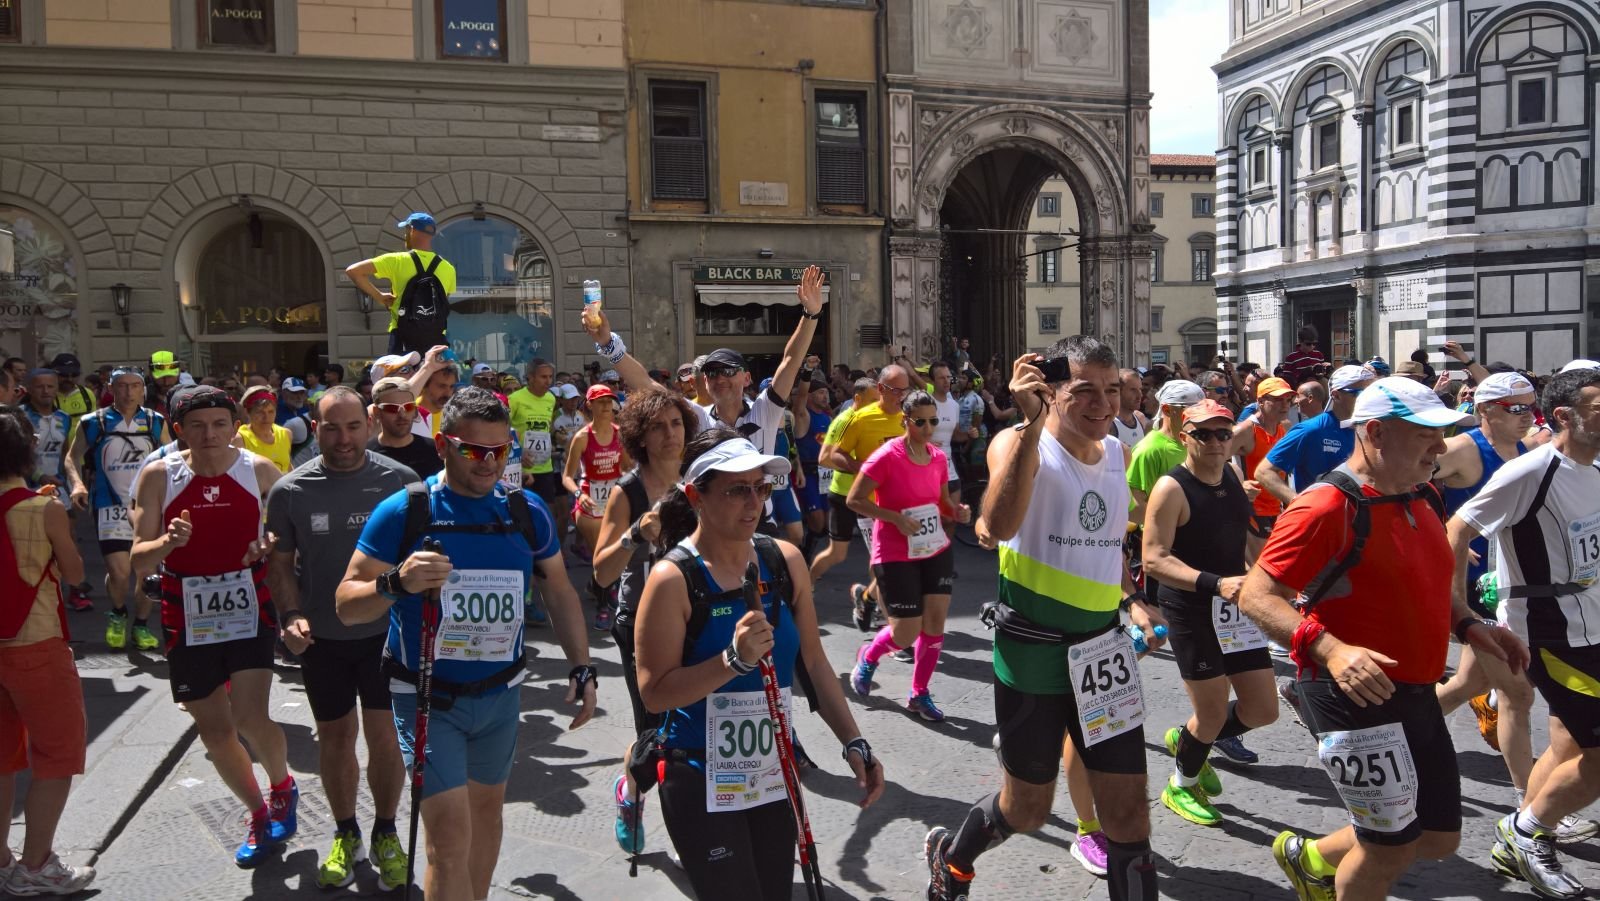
1345, 378
1179, 393
1502, 385
735, 455
393, 363
481, 369
1398, 397
1581, 364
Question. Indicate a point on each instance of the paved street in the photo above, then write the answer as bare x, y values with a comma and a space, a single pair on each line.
159, 825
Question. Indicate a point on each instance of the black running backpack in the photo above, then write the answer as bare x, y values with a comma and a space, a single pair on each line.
423, 309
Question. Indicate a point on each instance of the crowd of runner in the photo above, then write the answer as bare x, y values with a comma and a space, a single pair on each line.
396, 538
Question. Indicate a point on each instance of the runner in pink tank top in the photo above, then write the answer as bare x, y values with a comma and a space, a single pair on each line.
598, 450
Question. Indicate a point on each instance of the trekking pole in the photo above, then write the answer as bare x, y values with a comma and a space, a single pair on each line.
419, 755
791, 775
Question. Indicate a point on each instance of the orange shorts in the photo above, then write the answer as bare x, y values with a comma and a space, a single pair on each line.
42, 724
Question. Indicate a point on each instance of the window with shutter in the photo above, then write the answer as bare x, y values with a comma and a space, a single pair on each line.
677, 141
10, 20
841, 149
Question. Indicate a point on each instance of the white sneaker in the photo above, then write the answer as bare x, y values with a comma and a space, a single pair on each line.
1572, 829
54, 878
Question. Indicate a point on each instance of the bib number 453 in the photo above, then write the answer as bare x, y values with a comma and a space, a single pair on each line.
1106, 673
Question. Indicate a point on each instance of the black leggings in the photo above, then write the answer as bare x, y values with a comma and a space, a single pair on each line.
738, 855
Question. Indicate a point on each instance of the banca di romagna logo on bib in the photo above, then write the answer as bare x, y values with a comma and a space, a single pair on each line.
1092, 511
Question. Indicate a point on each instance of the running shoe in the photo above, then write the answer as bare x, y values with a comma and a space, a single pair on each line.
1537, 862
905, 655
1210, 782
603, 618
1288, 850
1234, 749
860, 612
630, 817
79, 600
388, 857
1488, 721
861, 676
1503, 862
922, 705
144, 639
286, 808
116, 629
945, 883
5, 871
1092, 852
534, 615
1290, 693
338, 869
1277, 650
263, 838
1190, 802
1572, 830
54, 878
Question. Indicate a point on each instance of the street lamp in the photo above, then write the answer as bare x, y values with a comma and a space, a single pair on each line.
122, 302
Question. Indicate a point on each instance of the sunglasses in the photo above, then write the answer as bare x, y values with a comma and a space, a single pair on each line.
929, 422
406, 407
722, 372
1205, 436
747, 492
478, 453
1509, 407
1220, 390
890, 389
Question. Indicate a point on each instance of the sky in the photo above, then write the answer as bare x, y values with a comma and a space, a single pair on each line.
1187, 37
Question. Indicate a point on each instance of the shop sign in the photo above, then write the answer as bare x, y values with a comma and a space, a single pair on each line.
763, 193
38, 289
755, 275
240, 23
220, 318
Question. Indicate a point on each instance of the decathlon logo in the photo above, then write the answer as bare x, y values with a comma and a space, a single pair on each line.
1092, 511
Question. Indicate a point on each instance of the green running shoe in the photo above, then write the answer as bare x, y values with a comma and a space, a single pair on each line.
338, 869
1190, 802
389, 859
1288, 850
144, 639
1210, 782
116, 629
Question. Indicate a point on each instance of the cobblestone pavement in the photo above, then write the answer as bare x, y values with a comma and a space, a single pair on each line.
174, 839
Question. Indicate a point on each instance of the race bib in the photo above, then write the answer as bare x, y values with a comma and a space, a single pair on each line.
1235, 631
512, 477
1374, 773
480, 616
929, 538
864, 523
780, 482
115, 524
219, 608
824, 482
950, 469
742, 765
1105, 682
599, 493
1585, 536
538, 447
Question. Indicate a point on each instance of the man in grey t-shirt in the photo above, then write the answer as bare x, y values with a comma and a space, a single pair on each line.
317, 512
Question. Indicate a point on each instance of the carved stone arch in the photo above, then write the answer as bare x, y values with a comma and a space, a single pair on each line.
1369, 86
1076, 150
1231, 123
314, 209
456, 193
1291, 94
1490, 25
40, 189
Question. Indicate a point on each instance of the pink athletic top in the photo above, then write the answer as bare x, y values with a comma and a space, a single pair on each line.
902, 485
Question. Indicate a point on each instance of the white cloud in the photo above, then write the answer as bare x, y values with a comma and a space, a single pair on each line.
1187, 37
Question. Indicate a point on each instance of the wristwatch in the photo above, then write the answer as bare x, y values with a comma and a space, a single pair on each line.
860, 746
389, 584
731, 659
631, 538
811, 316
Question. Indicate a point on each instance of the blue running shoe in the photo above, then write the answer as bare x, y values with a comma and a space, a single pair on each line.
285, 807
535, 616
922, 705
861, 676
630, 817
258, 847
1234, 749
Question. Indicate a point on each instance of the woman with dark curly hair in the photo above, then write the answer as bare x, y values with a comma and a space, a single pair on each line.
655, 425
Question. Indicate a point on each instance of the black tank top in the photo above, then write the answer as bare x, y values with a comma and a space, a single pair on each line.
630, 585
1213, 539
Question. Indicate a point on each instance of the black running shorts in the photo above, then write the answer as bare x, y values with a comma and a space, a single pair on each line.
549, 488
337, 672
1576, 672
903, 584
195, 672
841, 519
1326, 709
1261, 526
1193, 638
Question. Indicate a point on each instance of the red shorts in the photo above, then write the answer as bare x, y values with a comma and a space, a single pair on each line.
42, 724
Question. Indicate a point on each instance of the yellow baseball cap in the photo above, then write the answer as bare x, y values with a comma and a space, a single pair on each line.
163, 364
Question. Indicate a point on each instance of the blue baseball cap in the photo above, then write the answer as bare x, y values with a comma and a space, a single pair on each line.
422, 222
292, 384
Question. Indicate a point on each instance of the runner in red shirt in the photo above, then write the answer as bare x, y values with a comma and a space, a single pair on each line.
197, 521
1372, 645
598, 449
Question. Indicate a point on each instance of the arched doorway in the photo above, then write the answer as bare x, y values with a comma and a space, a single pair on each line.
502, 312
258, 299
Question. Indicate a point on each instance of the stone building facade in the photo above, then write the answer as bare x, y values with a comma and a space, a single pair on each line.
217, 182
1400, 174
986, 100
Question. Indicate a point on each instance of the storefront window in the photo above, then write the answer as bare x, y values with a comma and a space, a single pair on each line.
502, 312
472, 29
38, 289
263, 276
10, 20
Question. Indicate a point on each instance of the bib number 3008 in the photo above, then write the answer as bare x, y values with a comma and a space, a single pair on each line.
1374, 773
1105, 683
481, 615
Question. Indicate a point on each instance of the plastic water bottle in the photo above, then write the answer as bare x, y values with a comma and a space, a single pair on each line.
592, 295
1137, 634
1489, 591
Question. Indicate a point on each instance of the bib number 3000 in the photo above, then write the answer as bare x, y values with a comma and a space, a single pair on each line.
1105, 683
742, 765
1374, 773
